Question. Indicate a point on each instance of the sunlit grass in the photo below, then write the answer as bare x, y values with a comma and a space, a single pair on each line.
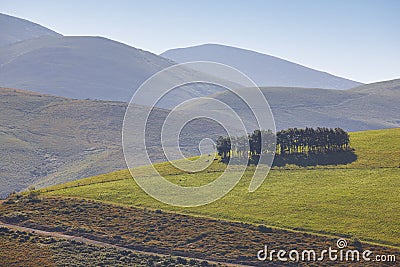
361, 199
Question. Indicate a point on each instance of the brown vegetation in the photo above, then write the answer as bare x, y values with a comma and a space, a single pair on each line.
161, 232
20, 248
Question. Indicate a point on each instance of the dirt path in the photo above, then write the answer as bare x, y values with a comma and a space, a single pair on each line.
103, 244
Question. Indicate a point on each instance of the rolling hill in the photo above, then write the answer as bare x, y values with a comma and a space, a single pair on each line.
358, 200
264, 70
48, 140
15, 30
373, 106
387, 88
90, 68
51, 138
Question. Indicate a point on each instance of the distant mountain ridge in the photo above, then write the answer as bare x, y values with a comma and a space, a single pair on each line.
367, 107
84, 67
77, 67
87, 67
15, 30
264, 70
389, 88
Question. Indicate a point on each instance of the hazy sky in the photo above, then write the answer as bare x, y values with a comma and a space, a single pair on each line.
356, 39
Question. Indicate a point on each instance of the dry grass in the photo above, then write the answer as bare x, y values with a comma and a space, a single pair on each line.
161, 232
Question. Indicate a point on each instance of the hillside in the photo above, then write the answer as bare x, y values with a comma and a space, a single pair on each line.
56, 139
264, 70
388, 88
46, 140
15, 30
356, 200
92, 68
89, 67
373, 106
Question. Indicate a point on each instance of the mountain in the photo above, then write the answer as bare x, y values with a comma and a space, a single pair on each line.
77, 67
35, 58
91, 68
86, 67
372, 106
264, 70
14, 30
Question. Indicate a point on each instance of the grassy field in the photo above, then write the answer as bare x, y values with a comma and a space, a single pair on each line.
359, 200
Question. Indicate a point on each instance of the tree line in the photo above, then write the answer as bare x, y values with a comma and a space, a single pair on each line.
288, 145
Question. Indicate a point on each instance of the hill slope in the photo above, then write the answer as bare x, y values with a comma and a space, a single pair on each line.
89, 67
388, 88
52, 140
263, 69
373, 106
47, 140
356, 200
57, 139
14, 30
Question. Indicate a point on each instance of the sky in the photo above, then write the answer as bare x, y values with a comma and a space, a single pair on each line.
355, 39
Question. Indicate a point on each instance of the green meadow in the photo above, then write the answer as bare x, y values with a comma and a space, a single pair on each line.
359, 200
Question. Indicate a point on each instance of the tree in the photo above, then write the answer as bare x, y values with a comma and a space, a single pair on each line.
289, 142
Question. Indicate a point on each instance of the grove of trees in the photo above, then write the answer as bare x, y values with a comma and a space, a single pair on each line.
298, 146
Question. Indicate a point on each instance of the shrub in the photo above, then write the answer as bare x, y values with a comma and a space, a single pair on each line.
192, 262
16, 216
264, 229
33, 194
181, 260
9, 201
357, 243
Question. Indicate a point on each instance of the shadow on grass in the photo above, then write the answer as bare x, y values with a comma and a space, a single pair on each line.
304, 160
314, 159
